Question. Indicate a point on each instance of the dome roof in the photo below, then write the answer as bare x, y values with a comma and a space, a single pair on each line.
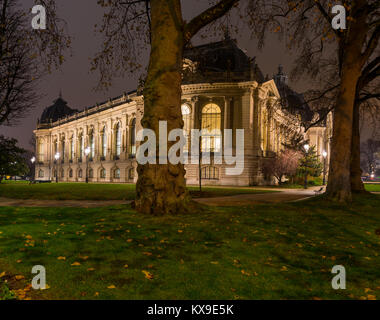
221, 61
58, 110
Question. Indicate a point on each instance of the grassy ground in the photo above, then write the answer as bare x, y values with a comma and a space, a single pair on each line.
372, 187
83, 191
282, 251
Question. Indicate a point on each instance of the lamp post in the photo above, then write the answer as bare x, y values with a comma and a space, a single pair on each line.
87, 152
324, 155
33, 168
56, 157
306, 147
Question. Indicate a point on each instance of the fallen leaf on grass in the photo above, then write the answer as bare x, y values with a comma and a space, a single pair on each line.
126, 266
2, 274
61, 258
147, 274
19, 277
245, 273
75, 264
111, 287
91, 269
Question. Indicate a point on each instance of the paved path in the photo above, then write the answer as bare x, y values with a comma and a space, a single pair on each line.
285, 195
6, 202
236, 200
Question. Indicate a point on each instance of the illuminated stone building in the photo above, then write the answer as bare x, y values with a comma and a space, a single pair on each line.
222, 89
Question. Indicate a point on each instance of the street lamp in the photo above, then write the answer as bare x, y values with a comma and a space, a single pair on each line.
87, 152
306, 147
33, 169
324, 155
56, 157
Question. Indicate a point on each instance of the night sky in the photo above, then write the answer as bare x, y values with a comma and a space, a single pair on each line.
77, 83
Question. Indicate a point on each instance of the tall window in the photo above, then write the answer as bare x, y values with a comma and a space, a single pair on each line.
63, 151
186, 116
102, 173
40, 151
211, 123
118, 139
104, 142
116, 173
55, 147
72, 148
131, 173
133, 137
81, 145
92, 145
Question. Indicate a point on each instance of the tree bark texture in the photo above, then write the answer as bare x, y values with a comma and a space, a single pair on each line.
357, 185
352, 61
161, 188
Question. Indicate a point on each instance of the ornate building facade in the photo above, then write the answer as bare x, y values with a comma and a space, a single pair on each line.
222, 89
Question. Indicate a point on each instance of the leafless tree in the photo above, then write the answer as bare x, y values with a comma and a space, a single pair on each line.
25, 56
328, 55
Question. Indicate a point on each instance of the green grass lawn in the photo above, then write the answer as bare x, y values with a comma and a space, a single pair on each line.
372, 187
83, 191
271, 251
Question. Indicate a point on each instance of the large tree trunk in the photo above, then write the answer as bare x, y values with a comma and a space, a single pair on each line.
352, 61
357, 185
339, 183
161, 188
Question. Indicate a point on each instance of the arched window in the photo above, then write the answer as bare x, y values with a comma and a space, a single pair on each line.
104, 142
90, 173
211, 123
80, 173
62, 173
210, 173
41, 173
54, 173
118, 139
133, 137
102, 173
116, 173
186, 116
71, 173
